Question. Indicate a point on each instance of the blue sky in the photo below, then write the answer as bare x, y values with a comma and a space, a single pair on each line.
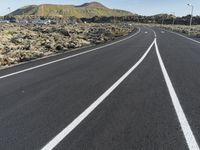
143, 7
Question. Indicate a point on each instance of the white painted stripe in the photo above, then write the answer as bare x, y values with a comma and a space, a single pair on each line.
153, 32
58, 138
190, 139
183, 36
155, 35
65, 58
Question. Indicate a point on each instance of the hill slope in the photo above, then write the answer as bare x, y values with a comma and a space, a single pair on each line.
86, 10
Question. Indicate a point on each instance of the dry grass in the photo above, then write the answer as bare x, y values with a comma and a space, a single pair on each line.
195, 30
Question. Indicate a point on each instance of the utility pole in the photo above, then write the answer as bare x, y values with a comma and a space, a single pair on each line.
192, 10
173, 21
174, 17
163, 19
9, 11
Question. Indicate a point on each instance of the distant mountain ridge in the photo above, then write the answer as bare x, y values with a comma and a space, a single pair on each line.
86, 10
92, 4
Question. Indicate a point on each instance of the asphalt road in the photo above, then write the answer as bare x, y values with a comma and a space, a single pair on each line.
138, 93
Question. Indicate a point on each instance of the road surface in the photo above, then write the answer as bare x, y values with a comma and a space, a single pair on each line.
140, 92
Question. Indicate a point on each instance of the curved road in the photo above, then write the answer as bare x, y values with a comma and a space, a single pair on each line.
137, 93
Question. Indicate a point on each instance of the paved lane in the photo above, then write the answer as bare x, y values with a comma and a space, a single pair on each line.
182, 60
138, 115
39, 103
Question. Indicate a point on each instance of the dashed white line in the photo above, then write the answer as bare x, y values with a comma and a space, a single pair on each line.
65, 58
189, 136
162, 32
58, 138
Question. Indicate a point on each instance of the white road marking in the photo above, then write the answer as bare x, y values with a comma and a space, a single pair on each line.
65, 58
153, 32
190, 139
155, 35
58, 138
146, 32
184, 36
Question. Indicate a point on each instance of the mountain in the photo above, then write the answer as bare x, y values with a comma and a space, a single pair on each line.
92, 4
86, 10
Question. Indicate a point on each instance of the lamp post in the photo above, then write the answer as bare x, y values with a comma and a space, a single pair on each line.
163, 20
174, 16
9, 12
192, 7
9, 9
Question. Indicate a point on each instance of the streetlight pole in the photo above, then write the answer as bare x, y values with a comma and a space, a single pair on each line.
9, 9
163, 19
174, 16
191, 17
9, 13
173, 21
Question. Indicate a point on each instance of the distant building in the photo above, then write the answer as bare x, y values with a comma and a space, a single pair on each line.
12, 20
23, 21
4, 21
39, 21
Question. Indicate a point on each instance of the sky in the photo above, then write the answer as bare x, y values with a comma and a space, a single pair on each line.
142, 7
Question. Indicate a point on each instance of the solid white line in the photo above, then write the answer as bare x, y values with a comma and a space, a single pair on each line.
182, 36
153, 32
65, 58
58, 138
155, 35
190, 139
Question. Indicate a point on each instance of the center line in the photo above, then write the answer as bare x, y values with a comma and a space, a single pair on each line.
59, 137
